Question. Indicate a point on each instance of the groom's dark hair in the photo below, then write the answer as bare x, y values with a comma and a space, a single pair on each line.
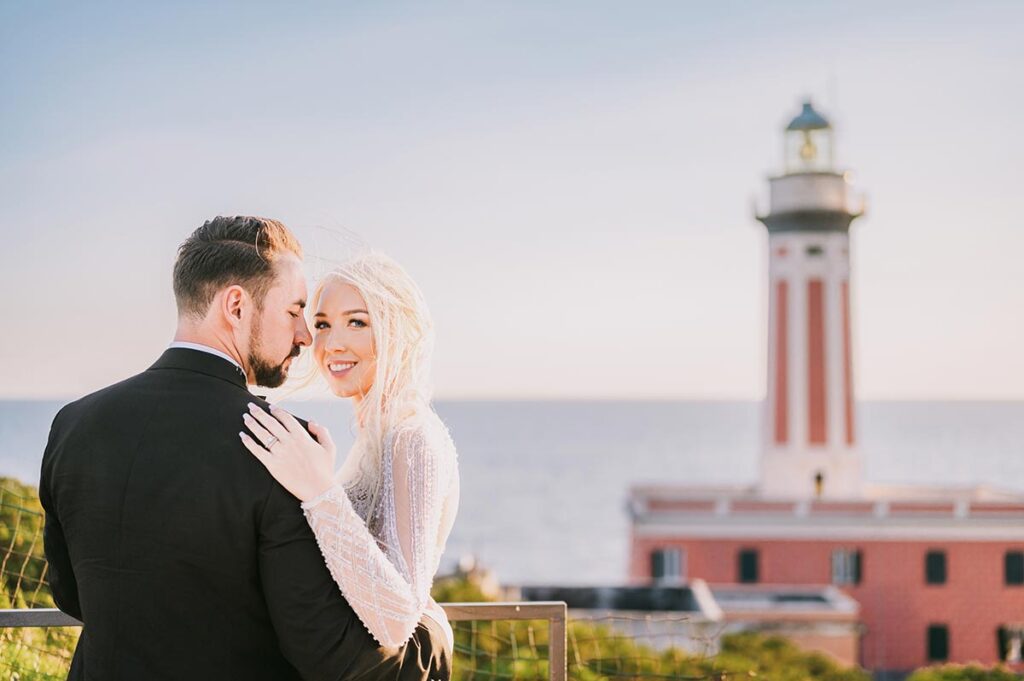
229, 250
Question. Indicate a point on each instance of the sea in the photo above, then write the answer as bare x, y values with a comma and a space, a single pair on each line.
545, 483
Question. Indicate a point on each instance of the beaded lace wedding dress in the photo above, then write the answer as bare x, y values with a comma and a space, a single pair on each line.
384, 559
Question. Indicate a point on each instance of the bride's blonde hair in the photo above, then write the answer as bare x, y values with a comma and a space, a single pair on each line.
403, 338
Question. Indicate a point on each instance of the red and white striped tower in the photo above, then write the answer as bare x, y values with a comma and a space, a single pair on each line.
810, 441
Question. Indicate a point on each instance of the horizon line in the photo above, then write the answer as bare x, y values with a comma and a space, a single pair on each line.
487, 397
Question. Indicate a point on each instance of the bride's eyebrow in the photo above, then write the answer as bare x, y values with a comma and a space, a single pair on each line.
346, 313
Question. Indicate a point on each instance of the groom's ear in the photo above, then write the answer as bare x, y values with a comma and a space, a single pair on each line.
235, 304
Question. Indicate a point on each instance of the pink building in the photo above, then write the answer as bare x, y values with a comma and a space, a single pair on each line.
938, 573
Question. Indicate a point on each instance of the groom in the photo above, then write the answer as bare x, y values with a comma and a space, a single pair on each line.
165, 537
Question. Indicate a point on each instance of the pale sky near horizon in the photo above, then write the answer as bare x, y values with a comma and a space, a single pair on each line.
569, 182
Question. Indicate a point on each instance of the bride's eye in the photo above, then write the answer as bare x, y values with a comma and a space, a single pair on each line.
321, 325
358, 323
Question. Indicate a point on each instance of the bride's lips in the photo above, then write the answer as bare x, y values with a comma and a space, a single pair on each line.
340, 369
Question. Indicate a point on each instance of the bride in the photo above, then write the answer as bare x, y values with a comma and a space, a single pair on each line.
383, 520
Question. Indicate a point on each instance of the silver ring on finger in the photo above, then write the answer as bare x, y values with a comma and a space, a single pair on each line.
273, 441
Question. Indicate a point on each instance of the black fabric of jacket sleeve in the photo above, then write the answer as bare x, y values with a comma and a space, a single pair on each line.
60, 574
315, 625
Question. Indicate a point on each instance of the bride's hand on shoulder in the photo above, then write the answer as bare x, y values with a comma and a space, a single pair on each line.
303, 465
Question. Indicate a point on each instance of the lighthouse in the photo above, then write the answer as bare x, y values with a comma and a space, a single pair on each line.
809, 447
934, 573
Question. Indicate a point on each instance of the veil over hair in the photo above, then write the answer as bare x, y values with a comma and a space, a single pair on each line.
403, 337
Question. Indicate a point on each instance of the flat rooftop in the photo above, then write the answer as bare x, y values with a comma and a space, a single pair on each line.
706, 602
882, 512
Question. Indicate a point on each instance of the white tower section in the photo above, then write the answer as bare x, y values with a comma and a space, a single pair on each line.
810, 442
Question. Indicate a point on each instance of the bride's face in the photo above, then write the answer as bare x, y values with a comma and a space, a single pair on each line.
343, 340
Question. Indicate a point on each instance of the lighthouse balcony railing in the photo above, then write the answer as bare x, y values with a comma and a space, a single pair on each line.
830, 192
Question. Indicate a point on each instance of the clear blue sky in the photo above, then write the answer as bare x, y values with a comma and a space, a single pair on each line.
570, 182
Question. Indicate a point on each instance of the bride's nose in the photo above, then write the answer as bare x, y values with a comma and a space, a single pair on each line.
335, 342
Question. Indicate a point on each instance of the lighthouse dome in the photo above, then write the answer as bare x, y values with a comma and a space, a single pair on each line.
808, 119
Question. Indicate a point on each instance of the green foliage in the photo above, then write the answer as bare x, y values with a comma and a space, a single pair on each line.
457, 590
597, 652
777, 659
22, 563
970, 672
28, 654
37, 654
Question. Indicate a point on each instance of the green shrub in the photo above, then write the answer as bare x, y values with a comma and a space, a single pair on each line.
28, 654
596, 652
969, 672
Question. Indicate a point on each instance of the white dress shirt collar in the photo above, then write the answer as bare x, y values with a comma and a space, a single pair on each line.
205, 348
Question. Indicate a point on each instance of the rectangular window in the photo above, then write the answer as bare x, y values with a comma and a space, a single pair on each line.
667, 565
1014, 568
935, 567
846, 566
938, 643
748, 567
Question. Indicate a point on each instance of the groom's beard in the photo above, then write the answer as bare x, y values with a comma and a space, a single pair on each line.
270, 375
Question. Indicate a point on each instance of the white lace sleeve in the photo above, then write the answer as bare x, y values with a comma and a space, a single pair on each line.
388, 598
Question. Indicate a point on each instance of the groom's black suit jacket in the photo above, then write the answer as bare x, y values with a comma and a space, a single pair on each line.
174, 546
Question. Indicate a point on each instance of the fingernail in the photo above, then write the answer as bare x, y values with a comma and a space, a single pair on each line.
252, 405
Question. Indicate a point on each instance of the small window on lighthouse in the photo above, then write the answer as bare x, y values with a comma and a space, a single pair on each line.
809, 142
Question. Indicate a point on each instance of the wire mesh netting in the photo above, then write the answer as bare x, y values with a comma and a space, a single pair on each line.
598, 647
28, 653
